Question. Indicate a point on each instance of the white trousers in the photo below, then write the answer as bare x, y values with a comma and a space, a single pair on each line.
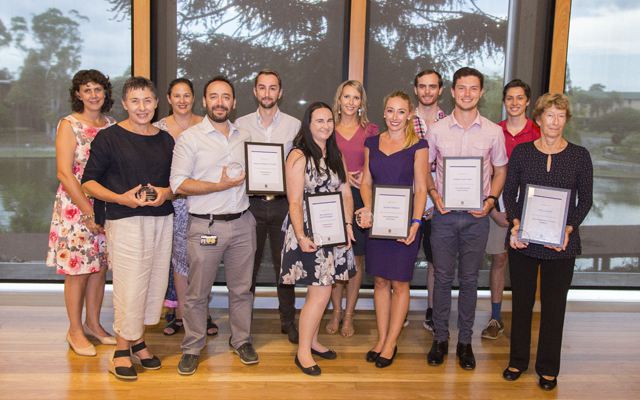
139, 251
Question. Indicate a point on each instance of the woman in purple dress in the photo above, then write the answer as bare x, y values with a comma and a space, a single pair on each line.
395, 157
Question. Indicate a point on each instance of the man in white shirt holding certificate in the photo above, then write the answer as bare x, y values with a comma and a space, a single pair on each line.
460, 236
270, 125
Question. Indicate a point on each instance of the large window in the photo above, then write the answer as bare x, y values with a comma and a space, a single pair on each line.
43, 44
302, 40
406, 37
602, 69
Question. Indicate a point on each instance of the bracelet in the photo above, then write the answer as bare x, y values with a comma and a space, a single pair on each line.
416, 220
84, 218
495, 199
429, 190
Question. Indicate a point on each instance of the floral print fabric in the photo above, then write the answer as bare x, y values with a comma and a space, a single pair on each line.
327, 264
73, 249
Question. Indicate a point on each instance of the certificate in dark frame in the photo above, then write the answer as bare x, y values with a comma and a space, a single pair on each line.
523, 227
444, 186
336, 197
406, 191
249, 183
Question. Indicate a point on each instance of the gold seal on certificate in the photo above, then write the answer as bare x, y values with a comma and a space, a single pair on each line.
265, 168
544, 215
392, 209
462, 183
325, 213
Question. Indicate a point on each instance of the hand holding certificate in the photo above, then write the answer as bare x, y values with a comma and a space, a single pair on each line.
392, 209
265, 168
544, 216
462, 183
326, 219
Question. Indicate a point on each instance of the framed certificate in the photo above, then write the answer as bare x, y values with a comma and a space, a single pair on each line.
265, 168
544, 215
462, 183
325, 213
392, 210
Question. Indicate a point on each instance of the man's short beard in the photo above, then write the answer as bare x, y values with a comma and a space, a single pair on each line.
218, 120
268, 106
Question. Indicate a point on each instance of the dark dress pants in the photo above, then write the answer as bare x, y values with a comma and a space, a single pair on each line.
555, 279
269, 217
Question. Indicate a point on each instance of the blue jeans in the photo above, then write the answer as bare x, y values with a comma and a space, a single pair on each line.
457, 238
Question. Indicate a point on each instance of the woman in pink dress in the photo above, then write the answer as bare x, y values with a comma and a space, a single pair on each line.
76, 241
352, 128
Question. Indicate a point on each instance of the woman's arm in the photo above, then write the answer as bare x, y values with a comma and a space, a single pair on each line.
65, 154
366, 192
347, 199
420, 172
296, 162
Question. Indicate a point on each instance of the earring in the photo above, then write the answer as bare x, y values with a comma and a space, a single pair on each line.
359, 112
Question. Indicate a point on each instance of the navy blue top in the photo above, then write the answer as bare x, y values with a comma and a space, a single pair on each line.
121, 160
570, 169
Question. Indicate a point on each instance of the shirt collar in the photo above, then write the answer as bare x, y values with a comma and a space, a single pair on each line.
476, 121
208, 127
276, 117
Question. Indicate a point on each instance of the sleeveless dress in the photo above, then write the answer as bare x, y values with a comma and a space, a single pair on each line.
327, 264
73, 249
179, 250
387, 258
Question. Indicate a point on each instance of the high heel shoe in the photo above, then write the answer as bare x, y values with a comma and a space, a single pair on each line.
88, 351
147, 363
382, 362
110, 340
334, 323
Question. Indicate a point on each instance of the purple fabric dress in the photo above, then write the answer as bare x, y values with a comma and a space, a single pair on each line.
388, 258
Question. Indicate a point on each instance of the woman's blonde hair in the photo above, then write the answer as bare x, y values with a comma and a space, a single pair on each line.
410, 136
363, 120
547, 100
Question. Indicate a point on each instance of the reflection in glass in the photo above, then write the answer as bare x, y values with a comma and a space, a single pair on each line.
408, 36
43, 44
302, 40
602, 83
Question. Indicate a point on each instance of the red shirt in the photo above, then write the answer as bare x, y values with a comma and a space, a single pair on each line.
529, 133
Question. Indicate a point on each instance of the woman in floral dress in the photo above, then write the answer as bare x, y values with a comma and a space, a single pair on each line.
315, 165
76, 241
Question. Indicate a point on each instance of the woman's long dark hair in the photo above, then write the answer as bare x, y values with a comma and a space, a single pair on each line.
304, 141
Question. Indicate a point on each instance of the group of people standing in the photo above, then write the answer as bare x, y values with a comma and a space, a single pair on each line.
169, 196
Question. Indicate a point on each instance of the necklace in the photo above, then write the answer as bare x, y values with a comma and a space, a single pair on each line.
180, 126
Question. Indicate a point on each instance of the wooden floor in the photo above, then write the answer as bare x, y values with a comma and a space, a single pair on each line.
601, 360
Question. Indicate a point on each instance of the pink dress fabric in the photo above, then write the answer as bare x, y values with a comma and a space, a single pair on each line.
73, 249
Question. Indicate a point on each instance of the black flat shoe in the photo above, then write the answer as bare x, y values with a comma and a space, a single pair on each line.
313, 370
327, 355
147, 363
547, 384
465, 356
125, 373
509, 375
372, 356
437, 352
382, 362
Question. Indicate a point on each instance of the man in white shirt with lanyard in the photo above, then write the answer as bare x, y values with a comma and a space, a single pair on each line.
208, 167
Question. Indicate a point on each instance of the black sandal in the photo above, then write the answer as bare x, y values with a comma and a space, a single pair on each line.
147, 363
174, 325
126, 373
211, 326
